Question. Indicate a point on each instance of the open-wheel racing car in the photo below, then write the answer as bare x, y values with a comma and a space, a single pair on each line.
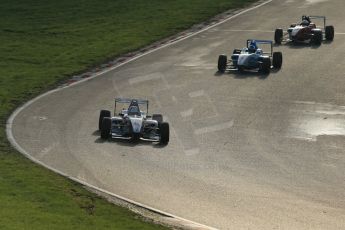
132, 123
251, 58
305, 31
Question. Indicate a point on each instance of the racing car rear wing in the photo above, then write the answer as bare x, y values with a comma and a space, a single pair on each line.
129, 100
269, 42
318, 17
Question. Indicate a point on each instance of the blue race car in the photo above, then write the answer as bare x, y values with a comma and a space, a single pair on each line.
251, 58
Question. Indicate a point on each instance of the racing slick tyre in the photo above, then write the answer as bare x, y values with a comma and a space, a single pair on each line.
102, 114
278, 36
277, 60
164, 133
329, 33
265, 66
222, 60
105, 128
317, 37
157, 117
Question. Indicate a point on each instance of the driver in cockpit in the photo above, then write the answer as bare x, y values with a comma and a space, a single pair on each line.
305, 21
134, 110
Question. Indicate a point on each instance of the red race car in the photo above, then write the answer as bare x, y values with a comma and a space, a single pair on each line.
305, 31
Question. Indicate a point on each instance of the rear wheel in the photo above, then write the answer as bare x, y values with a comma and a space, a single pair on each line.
105, 127
277, 60
164, 133
222, 61
265, 66
278, 36
157, 117
329, 33
103, 114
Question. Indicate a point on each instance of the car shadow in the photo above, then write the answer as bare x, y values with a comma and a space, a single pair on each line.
274, 70
327, 42
218, 74
100, 140
127, 143
300, 45
96, 133
244, 74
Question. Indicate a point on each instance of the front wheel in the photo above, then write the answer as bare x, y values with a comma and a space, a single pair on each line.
164, 133
105, 128
277, 60
222, 61
103, 114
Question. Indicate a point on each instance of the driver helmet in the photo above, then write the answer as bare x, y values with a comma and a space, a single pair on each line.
305, 23
251, 49
305, 17
133, 110
259, 51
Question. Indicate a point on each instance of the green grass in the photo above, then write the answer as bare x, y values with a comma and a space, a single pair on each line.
43, 42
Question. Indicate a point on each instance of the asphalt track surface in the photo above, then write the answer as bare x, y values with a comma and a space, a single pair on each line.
246, 151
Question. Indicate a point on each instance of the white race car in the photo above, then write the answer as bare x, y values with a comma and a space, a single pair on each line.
251, 58
132, 123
